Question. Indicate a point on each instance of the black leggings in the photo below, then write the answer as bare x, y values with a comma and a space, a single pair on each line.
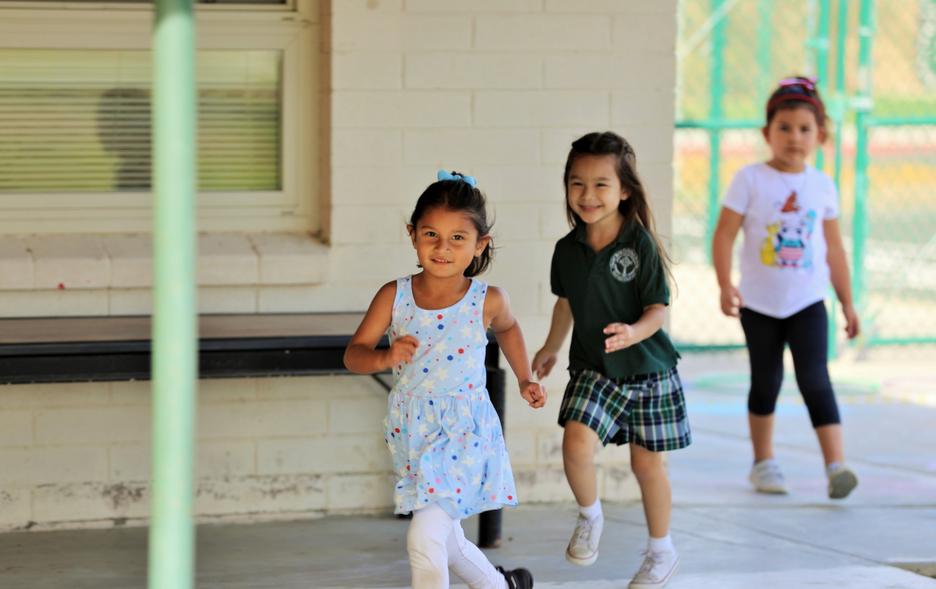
807, 334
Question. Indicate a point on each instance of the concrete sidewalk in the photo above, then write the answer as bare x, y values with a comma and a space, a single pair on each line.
728, 536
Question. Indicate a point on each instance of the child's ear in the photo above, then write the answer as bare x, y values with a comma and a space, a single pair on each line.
411, 230
822, 135
764, 132
483, 242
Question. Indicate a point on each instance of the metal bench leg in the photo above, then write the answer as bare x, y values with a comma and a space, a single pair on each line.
489, 522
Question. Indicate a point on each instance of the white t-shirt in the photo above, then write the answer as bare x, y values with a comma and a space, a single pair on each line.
783, 257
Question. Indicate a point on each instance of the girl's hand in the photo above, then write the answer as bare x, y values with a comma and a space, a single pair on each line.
401, 351
543, 363
624, 336
852, 324
730, 301
533, 393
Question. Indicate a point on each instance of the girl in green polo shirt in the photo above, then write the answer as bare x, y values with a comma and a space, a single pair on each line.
611, 276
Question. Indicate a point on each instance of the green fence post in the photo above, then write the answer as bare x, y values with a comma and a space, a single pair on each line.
175, 328
821, 45
862, 105
716, 113
839, 104
838, 111
764, 39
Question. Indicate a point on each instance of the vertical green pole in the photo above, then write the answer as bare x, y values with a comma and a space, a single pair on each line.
838, 111
716, 115
175, 331
764, 34
862, 105
839, 100
822, 62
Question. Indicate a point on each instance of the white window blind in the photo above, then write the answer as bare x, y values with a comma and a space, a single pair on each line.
74, 121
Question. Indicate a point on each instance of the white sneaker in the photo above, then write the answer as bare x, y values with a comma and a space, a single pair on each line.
767, 478
841, 482
656, 570
583, 547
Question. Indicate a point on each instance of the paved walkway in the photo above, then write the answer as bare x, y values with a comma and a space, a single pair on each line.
728, 536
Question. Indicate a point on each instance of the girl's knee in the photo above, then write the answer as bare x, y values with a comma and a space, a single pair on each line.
427, 534
578, 442
427, 552
647, 465
762, 406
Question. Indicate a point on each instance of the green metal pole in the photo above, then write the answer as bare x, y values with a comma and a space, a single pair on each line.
175, 327
838, 118
839, 100
821, 44
862, 105
764, 34
716, 112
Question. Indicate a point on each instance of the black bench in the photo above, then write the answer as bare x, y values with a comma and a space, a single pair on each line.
85, 349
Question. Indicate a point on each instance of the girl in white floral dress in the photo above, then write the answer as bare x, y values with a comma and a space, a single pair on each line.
443, 433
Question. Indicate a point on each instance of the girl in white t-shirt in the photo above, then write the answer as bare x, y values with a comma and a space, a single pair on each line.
792, 249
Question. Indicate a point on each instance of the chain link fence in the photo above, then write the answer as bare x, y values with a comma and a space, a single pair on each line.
876, 65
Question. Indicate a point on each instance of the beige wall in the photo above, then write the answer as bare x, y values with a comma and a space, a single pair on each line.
497, 89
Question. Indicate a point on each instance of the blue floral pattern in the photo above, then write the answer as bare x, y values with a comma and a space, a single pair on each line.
442, 431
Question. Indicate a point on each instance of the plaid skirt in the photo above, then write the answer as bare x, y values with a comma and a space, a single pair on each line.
648, 410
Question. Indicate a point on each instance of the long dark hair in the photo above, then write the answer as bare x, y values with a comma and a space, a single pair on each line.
636, 207
458, 195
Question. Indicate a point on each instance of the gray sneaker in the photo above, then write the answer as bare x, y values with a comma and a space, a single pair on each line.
767, 478
583, 547
842, 481
656, 570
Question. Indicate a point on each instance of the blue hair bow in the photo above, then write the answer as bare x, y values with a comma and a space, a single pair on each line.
469, 180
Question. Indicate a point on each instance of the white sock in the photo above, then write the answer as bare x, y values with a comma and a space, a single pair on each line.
832, 467
592, 511
664, 544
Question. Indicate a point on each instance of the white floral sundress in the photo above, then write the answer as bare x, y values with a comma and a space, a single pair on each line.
442, 431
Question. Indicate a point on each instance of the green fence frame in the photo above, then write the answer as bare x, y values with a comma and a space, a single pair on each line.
840, 106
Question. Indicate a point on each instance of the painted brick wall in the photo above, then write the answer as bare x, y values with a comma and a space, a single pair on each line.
497, 89
494, 88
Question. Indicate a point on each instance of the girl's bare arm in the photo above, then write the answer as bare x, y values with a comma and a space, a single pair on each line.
546, 357
729, 222
839, 275
361, 356
510, 339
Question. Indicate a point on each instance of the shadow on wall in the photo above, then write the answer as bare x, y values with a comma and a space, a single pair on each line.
124, 127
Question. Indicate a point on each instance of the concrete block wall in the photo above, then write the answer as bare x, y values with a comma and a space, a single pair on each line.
78, 455
494, 88
497, 89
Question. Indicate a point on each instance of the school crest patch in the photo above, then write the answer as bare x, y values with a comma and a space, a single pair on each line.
624, 264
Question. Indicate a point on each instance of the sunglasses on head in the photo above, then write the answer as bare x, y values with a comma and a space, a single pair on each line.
808, 84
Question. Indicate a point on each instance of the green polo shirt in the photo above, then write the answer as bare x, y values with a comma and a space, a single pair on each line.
613, 285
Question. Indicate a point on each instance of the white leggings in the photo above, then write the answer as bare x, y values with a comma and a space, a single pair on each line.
436, 542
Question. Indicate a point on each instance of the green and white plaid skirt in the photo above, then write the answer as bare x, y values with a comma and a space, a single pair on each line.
648, 410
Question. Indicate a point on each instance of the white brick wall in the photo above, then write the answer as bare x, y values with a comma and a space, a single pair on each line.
76, 454
74, 275
495, 88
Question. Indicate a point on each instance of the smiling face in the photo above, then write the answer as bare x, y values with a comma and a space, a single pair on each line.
446, 242
594, 190
792, 135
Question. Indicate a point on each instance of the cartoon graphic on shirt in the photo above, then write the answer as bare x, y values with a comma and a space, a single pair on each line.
788, 241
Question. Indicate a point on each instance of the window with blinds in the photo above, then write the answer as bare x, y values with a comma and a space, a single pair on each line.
74, 121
